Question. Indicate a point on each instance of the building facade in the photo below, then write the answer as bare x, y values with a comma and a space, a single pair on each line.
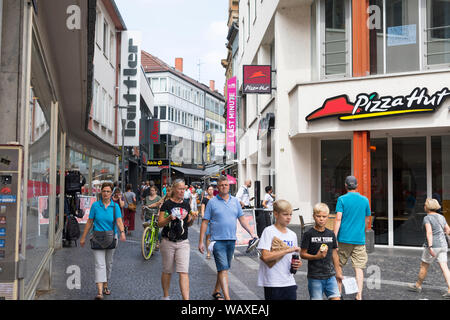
187, 110
361, 87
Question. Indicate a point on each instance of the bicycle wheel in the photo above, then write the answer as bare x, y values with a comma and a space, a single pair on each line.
146, 243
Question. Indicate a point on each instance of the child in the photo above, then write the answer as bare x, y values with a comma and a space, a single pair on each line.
319, 248
274, 268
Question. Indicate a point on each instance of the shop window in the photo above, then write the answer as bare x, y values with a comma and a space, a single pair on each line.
440, 147
438, 32
410, 189
163, 84
379, 189
394, 42
38, 193
105, 39
162, 113
336, 165
335, 32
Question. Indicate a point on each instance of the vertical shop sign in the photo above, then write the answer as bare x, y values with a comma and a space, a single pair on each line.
130, 85
231, 115
154, 131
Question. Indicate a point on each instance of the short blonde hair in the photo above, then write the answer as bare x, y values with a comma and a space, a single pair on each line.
282, 206
432, 205
321, 207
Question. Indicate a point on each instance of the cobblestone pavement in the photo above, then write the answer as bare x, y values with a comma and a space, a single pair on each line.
134, 278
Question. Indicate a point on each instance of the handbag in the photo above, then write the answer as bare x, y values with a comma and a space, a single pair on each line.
105, 240
447, 237
131, 206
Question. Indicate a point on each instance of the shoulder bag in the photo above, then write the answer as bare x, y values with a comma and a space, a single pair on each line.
131, 206
105, 240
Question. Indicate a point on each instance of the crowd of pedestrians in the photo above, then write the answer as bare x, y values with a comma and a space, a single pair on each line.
326, 251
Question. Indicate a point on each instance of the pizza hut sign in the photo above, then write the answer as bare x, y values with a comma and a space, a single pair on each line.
257, 79
371, 105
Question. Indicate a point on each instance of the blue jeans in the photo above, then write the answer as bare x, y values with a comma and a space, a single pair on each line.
223, 251
317, 288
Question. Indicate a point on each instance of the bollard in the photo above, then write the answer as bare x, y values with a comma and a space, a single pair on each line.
370, 241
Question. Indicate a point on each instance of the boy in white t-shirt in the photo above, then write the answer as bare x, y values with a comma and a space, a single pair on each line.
274, 268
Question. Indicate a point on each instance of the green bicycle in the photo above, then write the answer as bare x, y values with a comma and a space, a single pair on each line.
150, 236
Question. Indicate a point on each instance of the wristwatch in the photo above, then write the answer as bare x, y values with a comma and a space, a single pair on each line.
123, 231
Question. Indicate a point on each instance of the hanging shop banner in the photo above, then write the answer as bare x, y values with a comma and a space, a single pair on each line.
154, 131
371, 105
231, 115
257, 79
208, 137
130, 86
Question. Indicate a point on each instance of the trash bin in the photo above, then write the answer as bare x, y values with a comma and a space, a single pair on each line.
262, 220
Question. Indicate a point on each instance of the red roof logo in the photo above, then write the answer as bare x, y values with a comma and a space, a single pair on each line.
332, 107
258, 74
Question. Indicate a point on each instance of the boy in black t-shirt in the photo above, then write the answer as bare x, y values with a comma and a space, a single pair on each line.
319, 248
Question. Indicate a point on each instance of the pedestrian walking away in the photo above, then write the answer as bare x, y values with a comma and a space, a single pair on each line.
319, 247
222, 212
130, 208
104, 215
352, 219
277, 245
175, 218
435, 246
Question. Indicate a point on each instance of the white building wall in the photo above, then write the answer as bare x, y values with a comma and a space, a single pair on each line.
105, 75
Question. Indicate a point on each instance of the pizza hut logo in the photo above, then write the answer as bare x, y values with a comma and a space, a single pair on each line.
257, 79
371, 105
5, 190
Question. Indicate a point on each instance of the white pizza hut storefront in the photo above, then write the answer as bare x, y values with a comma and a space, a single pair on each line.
391, 132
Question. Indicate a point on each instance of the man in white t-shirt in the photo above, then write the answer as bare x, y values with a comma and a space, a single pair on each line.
276, 266
243, 194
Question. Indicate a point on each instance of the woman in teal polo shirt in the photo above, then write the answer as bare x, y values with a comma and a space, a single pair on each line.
101, 216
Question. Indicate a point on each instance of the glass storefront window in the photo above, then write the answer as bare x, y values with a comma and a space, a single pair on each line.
402, 36
336, 165
440, 147
438, 32
379, 188
336, 42
38, 187
410, 189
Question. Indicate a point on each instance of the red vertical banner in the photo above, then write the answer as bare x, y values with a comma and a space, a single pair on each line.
231, 115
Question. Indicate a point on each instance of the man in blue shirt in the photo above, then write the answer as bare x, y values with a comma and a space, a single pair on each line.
352, 217
222, 212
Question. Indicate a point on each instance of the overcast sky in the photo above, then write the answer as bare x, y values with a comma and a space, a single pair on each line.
194, 30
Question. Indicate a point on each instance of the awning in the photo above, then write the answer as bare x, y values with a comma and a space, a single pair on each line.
153, 169
190, 172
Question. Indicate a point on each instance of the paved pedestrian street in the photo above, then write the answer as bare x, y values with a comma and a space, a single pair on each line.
388, 273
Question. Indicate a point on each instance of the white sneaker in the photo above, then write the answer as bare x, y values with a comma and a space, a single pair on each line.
165, 298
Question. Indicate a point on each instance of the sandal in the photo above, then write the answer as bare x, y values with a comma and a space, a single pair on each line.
208, 256
98, 297
106, 291
217, 296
